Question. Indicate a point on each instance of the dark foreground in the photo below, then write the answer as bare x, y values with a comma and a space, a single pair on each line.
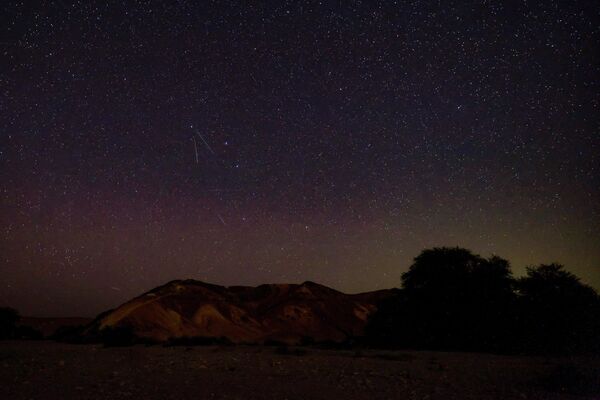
48, 370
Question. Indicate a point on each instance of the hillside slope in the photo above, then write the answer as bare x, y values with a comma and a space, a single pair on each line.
287, 313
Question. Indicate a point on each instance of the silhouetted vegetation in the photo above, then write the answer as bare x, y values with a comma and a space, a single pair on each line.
290, 351
453, 299
198, 341
118, 336
69, 334
9, 328
557, 312
8, 322
109, 336
25, 332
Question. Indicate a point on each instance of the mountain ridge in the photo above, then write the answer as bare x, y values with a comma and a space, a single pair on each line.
286, 312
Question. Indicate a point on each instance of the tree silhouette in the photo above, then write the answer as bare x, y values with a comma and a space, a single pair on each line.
8, 321
557, 312
9, 318
451, 299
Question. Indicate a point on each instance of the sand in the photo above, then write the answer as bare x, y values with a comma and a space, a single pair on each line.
49, 370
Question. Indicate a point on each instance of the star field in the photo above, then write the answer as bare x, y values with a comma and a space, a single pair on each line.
330, 141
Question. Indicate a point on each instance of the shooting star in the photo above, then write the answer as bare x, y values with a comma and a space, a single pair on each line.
205, 142
222, 220
195, 149
115, 288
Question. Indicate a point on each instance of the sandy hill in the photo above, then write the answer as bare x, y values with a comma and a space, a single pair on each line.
275, 312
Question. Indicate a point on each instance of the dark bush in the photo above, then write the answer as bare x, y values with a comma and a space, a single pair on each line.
28, 333
453, 299
198, 341
8, 322
557, 313
118, 336
69, 334
290, 351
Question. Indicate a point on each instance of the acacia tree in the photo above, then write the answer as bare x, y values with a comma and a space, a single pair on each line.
451, 299
454, 299
558, 313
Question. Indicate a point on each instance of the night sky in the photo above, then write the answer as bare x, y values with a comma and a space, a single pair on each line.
333, 141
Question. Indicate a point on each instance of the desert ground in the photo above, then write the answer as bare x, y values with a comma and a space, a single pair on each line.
49, 370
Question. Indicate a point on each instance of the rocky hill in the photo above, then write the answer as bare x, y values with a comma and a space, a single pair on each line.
288, 313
